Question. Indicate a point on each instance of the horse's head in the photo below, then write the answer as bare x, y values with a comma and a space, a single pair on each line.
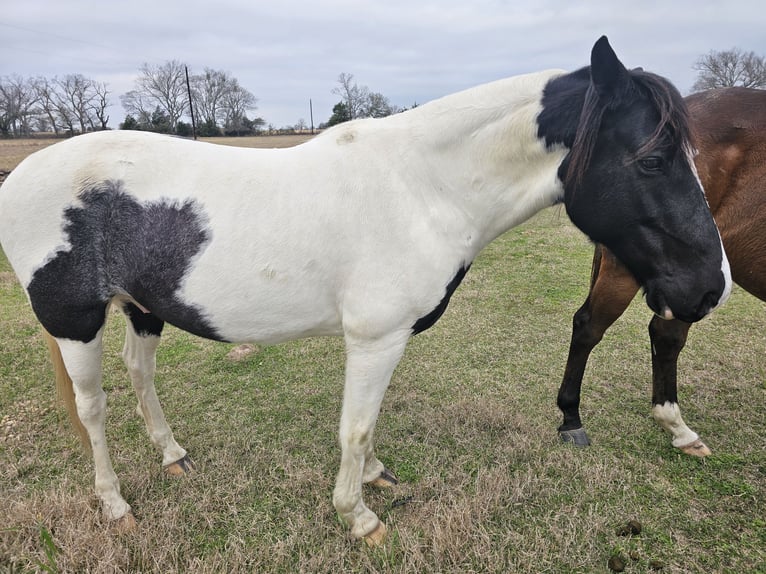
630, 184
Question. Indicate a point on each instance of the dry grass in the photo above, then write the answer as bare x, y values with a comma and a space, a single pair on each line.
12, 151
262, 141
468, 425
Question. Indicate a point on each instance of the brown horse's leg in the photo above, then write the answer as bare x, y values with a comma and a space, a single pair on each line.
668, 340
611, 291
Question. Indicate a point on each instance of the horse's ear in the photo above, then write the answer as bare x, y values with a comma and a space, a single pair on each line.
609, 76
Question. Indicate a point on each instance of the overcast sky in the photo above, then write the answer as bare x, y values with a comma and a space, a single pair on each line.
289, 51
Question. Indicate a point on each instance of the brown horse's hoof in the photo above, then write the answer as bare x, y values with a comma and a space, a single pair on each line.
377, 537
387, 479
696, 448
126, 523
180, 467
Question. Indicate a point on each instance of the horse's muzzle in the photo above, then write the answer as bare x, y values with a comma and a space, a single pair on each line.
684, 308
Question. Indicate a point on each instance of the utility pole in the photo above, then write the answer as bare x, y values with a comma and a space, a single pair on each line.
311, 111
191, 106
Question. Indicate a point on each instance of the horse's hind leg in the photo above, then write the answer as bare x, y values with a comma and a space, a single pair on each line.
369, 366
83, 364
668, 340
139, 353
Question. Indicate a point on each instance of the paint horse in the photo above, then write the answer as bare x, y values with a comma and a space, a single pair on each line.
363, 232
730, 127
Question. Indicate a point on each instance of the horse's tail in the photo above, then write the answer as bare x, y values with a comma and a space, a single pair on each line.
65, 389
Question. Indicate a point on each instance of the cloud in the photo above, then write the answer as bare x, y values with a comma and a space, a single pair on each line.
289, 51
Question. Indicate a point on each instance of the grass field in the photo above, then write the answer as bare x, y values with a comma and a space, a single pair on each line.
468, 425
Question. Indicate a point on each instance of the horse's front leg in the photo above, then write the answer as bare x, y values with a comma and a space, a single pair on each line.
369, 365
611, 291
668, 340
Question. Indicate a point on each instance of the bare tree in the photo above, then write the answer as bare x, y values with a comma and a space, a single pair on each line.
237, 101
162, 86
136, 104
359, 102
76, 96
378, 106
217, 98
353, 96
208, 93
99, 103
730, 68
47, 102
17, 100
74, 101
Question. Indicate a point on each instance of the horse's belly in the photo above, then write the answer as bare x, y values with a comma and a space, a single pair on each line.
264, 306
285, 322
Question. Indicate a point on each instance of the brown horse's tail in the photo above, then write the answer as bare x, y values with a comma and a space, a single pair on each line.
65, 389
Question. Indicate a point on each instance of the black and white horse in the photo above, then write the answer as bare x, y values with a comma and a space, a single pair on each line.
363, 232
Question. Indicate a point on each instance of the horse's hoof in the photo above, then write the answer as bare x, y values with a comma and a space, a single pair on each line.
126, 523
180, 467
377, 537
577, 437
387, 479
697, 448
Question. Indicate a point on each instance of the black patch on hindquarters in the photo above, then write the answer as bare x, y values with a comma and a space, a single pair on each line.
427, 321
121, 246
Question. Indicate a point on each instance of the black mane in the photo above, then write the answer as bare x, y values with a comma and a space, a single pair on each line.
573, 112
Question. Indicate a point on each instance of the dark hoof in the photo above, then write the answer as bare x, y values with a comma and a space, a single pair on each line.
180, 467
386, 479
578, 437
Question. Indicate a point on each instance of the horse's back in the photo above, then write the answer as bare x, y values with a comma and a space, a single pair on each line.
188, 230
267, 245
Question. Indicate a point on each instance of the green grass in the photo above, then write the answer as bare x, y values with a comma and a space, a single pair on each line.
469, 425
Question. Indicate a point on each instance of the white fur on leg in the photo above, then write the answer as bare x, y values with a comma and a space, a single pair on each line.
373, 468
139, 354
369, 365
83, 363
668, 416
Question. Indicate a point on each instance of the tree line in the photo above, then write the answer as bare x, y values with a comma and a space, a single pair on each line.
75, 104
72, 104
161, 98
221, 106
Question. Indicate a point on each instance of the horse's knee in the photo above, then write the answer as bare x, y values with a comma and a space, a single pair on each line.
583, 333
668, 337
91, 408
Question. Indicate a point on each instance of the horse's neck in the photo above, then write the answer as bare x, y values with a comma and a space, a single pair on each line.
484, 149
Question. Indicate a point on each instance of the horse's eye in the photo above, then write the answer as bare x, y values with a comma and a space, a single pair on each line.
651, 163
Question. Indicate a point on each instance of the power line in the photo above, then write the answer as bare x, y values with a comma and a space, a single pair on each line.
115, 59
54, 35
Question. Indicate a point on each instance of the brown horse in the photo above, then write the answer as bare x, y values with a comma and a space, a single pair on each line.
730, 131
